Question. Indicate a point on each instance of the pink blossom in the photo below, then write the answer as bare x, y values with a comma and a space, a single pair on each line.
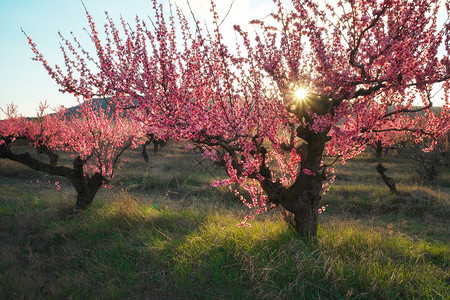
364, 72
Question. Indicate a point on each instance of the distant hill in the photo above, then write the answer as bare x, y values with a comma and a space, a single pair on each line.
96, 103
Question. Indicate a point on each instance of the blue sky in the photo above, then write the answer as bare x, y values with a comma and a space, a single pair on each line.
26, 83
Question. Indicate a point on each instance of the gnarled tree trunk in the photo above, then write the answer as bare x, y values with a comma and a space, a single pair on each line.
86, 186
306, 219
302, 198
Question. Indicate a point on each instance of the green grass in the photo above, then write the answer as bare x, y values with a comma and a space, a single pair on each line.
164, 233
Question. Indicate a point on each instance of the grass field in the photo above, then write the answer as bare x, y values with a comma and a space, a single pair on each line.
164, 233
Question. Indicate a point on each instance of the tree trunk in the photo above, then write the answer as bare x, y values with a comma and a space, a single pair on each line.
86, 186
305, 208
304, 216
144, 150
303, 196
85, 197
306, 221
86, 192
390, 182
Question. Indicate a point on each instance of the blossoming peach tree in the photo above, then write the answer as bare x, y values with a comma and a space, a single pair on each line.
95, 139
311, 86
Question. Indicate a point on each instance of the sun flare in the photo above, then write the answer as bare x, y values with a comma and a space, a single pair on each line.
300, 93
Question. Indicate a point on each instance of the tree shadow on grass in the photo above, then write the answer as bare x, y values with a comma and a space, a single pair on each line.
104, 252
419, 211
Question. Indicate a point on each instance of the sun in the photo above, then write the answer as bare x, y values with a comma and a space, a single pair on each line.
300, 93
